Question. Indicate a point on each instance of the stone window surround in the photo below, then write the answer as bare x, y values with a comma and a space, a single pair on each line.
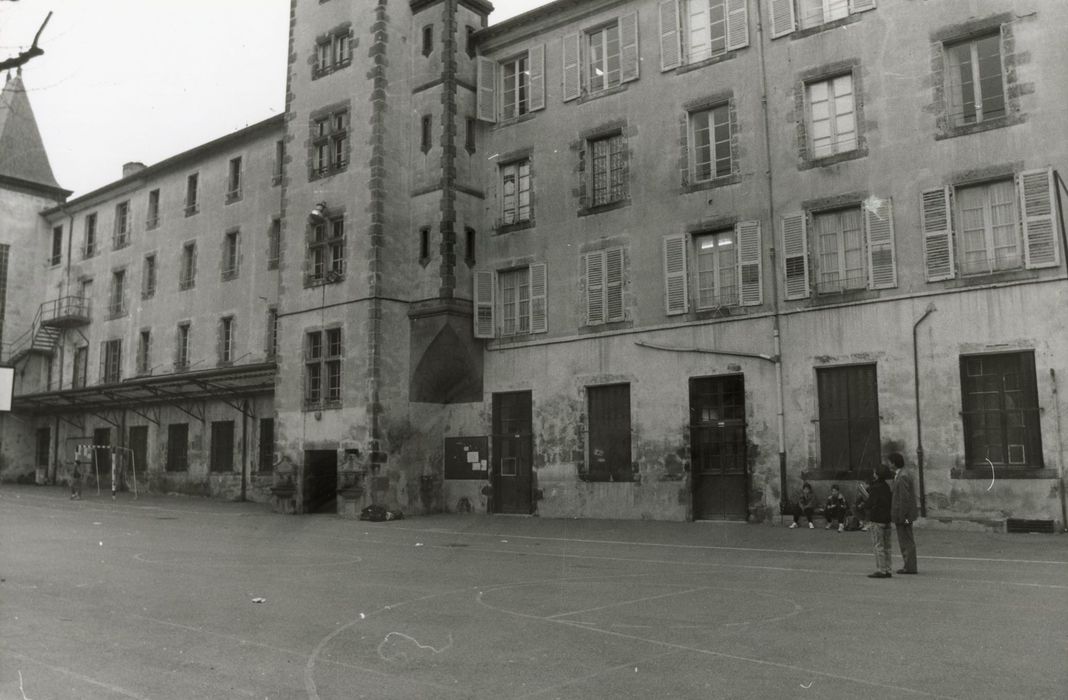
685, 164
801, 112
582, 148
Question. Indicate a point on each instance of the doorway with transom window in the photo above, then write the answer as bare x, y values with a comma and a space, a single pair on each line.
513, 443
719, 469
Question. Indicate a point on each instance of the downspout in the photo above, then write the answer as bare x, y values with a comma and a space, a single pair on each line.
55, 453
244, 449
919, 422
1060, 448
776, 314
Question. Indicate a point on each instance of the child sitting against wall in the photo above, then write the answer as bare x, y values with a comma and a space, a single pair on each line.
806, 505
835, 509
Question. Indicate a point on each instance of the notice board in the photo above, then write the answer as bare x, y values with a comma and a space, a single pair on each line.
467, 457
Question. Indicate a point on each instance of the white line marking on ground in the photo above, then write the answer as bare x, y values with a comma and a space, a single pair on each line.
74, 674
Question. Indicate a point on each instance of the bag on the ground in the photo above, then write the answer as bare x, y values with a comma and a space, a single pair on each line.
852, 523
377, 514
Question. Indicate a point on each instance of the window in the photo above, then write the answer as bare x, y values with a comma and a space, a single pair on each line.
831, 114
727, 269
266, 445
812, 13
609, 456
424, 245
327, 251
187, 272
469, 245
57, 246
233, 180
226, 340
117, 297
425, 133
222, 446
43, 442
178, 447
121, 237
469, 41
601, 58
330, 143
515, 192
90, 249
710, 134
697, 30
717, 269
181, 350
191, 206
975, 89
148, 277
848, 419
152, 220
515, 299
274, 243
839, 240
786, 15
513, 87
322, 362
999, 225
428, 39
231, 255
144, 348
608, 170
604, 286
272, 332
469, 135
333, 52
80, 372
1000, 410
279, 161
515, 97
110, 361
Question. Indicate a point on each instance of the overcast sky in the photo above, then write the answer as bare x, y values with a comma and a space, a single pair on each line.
142, 80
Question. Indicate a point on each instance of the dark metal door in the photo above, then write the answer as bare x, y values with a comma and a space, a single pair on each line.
512, 476
139, 447
320, 481
609, 458
718, 448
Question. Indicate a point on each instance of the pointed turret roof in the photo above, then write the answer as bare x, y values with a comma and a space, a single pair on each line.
22, 153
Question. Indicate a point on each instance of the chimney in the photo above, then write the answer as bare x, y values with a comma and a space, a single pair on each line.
132, 168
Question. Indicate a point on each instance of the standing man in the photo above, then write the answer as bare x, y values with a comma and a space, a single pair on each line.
903, 511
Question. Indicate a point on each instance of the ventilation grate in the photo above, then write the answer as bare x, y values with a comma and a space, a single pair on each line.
1040, 526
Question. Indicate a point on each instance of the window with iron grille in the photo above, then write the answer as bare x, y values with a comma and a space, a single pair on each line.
330, 143
322, 361
117, 297
121, 237
178, 447
608, 170
231, 255
274, 243
191, 194
89, 248
839, 240
1000, 410
111, 361
848, 420
148, 277
181, 350
152, 219
233, 180
326, 251
187, 272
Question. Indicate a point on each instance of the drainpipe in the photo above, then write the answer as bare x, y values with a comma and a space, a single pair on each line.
244, 449
1060, 448
776, 333
919, 422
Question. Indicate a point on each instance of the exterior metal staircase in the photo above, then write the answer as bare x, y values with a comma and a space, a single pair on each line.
49, 323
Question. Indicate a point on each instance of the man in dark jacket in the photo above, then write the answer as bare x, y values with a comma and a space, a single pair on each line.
878, 503
903, 511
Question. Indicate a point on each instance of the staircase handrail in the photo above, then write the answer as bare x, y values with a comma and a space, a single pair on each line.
24, 341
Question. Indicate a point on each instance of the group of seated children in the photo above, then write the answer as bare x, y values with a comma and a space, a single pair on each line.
835, 509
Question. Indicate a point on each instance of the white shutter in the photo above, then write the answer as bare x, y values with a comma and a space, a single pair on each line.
594, 263
628, 47
538, 318
750, 260
795, 256
879, 230
572, 70
737, 24
937, 235
856, 6
782, 17
484, 283
613, 272
487, 90
670, 49
536, 62
676, 295
1037, 211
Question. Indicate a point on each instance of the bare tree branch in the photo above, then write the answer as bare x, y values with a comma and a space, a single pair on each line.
29, 53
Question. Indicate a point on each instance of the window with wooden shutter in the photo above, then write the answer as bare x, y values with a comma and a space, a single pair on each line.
795, 256
486, 99
572, 84
879, 230
676, 294
537, 77
594, 264
483, 294
737, 24
538, 292
750, 263
613, 285
628, 47
782, 17
670, 46
937, 235
856, 6
1037, 211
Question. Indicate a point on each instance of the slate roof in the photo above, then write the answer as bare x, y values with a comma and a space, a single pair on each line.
22, 153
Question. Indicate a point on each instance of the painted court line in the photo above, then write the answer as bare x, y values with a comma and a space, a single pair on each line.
74, 674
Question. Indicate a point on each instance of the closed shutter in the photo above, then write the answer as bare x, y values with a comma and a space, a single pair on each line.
676, 296
795, 256
536, 61
572, 83
594, 263
670, 49
750, 258
539, 322
737, 24
628, 47
484, 321
487, 90
856, 6
614, 285
879, 229
782, 17
1037, 211
937, 235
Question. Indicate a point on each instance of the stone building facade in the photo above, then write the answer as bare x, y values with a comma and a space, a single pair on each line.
660, 259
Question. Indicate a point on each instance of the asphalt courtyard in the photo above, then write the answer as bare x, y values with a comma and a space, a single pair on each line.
182, 598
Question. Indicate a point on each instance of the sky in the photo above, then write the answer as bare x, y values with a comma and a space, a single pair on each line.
142, 80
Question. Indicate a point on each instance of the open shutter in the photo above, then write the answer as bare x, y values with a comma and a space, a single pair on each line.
737, 24
676, 295
103, 363
487, 90
670, 48
594, 287
628, 47
613, 267
536, 62
484, 287
937, 235
572, 72
795, 256
782, 17
879, 230
750, 258
856, 6
1037, 211
538, 318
